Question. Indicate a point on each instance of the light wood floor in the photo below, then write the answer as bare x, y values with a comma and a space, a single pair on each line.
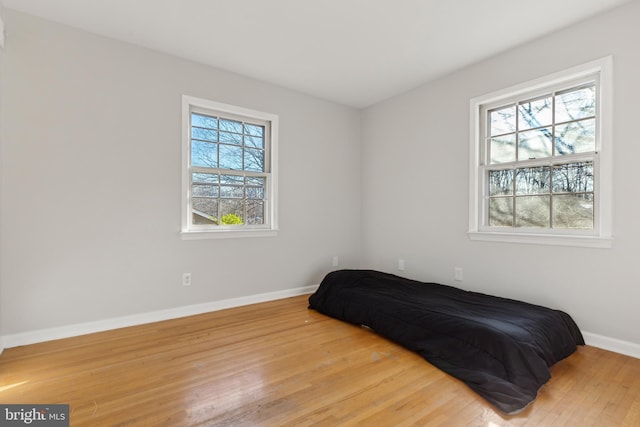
279, 364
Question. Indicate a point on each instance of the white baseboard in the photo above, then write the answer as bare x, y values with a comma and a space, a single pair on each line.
25, 338
612, 344
42, 335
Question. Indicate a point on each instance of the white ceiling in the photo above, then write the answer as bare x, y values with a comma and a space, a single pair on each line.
355, 52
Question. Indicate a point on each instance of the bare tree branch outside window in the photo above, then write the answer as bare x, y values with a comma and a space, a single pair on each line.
230, 158
550, 192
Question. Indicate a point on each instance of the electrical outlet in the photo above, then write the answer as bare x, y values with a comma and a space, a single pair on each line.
186, 279
401, 264
336, 261
457, 274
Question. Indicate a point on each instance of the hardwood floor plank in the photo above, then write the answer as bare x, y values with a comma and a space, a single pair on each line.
278, 363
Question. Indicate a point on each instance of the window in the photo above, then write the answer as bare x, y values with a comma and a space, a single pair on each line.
229, 174
541, 160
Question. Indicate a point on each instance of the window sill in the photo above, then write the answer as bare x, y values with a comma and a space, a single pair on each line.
226, 234
543, 239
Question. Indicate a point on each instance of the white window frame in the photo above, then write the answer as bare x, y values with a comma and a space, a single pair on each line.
270, 228
600, 236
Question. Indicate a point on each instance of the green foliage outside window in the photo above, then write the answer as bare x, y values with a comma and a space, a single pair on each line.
231, 219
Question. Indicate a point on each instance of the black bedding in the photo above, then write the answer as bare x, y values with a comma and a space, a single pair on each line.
501, 348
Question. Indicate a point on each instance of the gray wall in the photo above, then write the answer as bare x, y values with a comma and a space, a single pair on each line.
91, 168
415, 174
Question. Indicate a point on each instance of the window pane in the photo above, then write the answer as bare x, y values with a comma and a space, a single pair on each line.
204, 178
203, 121
254, 130
503, 149
256, 181
204, 211
501, 182
532, 180
230, 126
204, 134
501, 212
533, 211
502, 121
231, 211
255, 212
232, 186
576, 104
535, 113
253, 160
204, 154
198, 219
255, 193
231, 179
231, 191
573, 178
254, 141
534, 144
255, 188
576, 137
573, 211
204, 190
230, 157
231, 138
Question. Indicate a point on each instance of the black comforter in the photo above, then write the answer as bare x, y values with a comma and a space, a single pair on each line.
499, 347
